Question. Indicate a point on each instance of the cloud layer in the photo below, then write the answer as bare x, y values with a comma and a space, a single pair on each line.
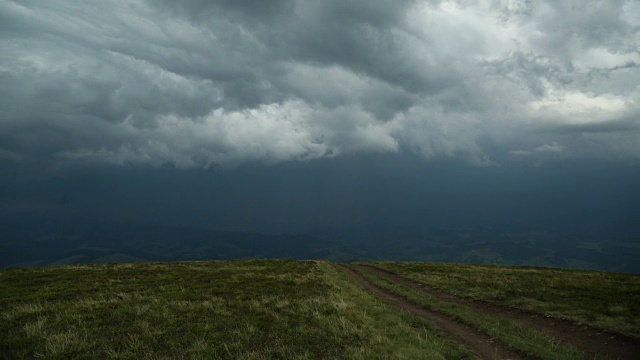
195, 83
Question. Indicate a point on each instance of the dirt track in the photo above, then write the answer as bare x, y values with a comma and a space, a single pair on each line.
480, 344
594, 341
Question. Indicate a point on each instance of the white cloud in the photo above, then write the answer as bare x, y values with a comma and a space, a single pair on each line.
520, 152
272, 133
554, 147
579, 108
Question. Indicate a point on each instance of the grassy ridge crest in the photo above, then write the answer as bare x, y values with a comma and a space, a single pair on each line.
255, 309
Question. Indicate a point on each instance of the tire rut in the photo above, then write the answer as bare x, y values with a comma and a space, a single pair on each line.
480, 344
594, 341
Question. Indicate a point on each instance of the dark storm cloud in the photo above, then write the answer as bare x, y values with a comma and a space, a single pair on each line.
195, 83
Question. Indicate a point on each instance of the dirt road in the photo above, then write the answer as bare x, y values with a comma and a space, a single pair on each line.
480, 344
588, 339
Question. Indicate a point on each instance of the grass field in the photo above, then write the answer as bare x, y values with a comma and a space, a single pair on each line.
255, 309
284, 309
605, 300
512, 333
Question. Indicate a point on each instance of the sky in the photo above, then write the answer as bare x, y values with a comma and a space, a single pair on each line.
247, 114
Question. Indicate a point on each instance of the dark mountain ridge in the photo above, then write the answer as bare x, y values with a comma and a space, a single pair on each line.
39, 242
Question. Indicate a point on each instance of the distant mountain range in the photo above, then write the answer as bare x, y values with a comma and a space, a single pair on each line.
126, 242
27, 244
507, 246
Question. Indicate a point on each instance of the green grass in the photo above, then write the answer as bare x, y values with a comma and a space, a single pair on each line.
512, 333
609, 301
256, 309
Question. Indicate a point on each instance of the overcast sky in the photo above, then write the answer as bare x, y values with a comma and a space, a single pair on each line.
197, 85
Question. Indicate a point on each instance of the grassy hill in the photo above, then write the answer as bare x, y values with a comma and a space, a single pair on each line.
266, 309
258, 309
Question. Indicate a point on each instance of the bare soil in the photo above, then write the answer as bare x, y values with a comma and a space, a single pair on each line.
591, 340
480, 344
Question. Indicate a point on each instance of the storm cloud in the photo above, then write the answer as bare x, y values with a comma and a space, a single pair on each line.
200, 83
